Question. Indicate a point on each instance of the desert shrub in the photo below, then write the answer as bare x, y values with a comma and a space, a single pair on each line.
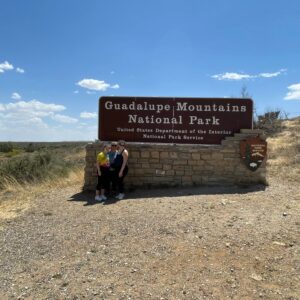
33, 167
6, 147
14, 152
30, 148
271, 121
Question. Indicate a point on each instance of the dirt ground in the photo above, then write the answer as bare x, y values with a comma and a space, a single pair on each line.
183, 243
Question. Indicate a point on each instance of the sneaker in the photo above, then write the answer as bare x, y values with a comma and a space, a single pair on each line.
98, 198
104, 197
120, 196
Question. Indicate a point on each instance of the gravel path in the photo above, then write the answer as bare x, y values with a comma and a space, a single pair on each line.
198, 243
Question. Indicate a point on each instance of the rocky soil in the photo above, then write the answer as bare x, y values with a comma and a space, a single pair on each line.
196, 243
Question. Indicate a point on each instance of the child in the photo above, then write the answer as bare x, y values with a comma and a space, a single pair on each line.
103, 174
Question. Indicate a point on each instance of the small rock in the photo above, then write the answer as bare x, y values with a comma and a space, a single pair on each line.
284, 214
224, 201
57, 276
48, 213
256, 277
278, 243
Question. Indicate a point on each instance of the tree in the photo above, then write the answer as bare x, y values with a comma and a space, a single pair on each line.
244, 92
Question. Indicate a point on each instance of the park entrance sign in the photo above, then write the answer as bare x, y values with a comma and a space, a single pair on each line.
173, 120
181, 141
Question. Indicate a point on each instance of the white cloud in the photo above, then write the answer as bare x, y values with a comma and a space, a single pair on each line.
76, 92
274, 74
294, 93
36, 122
241, 76
20, 121
30, 121
93, 84
231, 76
33, 106
90, 93
16, 96
96, 85
5, 66
21, 114
19, 70
269, 75
64, 119
88, 115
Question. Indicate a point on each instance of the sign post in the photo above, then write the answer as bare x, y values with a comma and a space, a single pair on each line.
253, 151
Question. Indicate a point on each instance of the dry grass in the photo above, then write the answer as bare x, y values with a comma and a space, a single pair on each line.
15, 198
284, 152
65, 169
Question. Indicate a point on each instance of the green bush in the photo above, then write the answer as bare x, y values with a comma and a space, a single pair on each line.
34, 167
30, 148
14, 152
6, 147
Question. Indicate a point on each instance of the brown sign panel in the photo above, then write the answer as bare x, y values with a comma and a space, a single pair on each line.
172, 120
253, 151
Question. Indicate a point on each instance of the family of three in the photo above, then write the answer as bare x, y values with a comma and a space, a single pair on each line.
111, 170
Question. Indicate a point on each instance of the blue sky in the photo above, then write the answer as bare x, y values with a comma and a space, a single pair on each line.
57, 57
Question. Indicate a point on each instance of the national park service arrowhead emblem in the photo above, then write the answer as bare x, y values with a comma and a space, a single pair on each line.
253, 151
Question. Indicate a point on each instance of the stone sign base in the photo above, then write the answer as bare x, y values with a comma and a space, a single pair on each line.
166, 165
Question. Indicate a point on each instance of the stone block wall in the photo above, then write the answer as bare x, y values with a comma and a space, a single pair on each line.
167, 165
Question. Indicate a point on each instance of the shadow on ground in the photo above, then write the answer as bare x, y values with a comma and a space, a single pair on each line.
89, 198
135, 194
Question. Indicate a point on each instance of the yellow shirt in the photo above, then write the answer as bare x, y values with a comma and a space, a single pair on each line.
103, 159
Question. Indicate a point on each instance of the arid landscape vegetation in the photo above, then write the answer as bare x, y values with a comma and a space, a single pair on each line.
231, 242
